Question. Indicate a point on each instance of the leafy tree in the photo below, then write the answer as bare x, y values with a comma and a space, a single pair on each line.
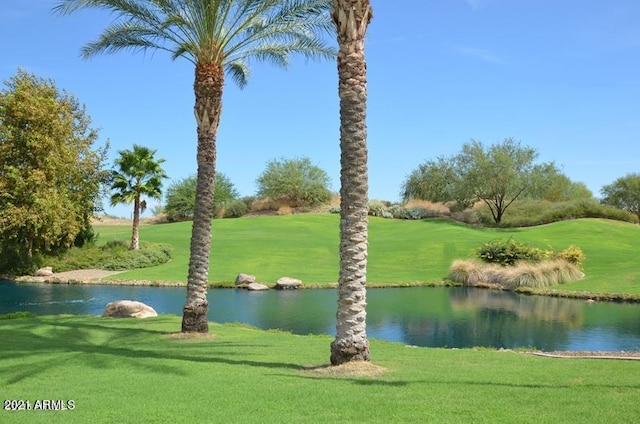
138, 174
496, 175
50, 173
296, 180
181, 197
549, 183
437, 181
219, 38
351, 18
623, 193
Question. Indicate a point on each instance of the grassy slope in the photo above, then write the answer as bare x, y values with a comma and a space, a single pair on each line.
305, 247
127, 371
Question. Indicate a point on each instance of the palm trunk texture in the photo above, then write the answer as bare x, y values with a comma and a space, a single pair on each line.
209, 81
351, 343
135, 232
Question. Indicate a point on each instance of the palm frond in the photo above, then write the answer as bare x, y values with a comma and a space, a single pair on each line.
239, 72
228, 32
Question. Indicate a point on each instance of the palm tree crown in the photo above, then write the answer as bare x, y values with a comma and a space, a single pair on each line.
224, 32
138, 174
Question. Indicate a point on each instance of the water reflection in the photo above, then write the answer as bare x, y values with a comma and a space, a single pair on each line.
436, 317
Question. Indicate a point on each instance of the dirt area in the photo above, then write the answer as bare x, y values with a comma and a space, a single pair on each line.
106, 220
85, 276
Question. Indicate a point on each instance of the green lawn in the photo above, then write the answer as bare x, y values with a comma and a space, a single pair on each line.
306, 247
127, 370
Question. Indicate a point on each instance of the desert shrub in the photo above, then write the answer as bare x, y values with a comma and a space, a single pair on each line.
437, 208
507, 253
236, 209
418, 212
467, 216
114, 256
284, 210
398, 212
572, 254
17, 315
377, 208
527, 212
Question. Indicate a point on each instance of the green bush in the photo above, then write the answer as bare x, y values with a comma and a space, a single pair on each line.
510, 252
572, 254
236, 209
377, 208
16, 315
415, 212
507, 253
114, 256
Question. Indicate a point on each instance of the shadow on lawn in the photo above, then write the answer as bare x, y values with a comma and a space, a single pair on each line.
45, 343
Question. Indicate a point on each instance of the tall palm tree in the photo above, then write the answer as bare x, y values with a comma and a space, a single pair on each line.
219, 37
138, 174
351, 18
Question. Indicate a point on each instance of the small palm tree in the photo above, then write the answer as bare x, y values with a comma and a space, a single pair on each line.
219, 37
351, 18
138, 174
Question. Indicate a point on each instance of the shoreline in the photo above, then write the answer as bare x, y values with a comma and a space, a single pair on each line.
97, 277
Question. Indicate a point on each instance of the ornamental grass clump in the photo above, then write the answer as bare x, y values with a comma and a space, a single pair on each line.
474, 273
511, 265
468, 273
524, 275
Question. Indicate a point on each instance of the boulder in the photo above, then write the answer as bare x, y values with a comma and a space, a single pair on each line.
257, 287
287, 283
46, 271
128, 309
243, 279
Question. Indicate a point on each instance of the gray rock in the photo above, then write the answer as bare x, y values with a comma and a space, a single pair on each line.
243, 279
128, 309
257, 287
46, 271
288, 283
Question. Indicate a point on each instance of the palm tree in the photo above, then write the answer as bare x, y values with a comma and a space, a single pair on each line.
139, 173
219, 37
351, 18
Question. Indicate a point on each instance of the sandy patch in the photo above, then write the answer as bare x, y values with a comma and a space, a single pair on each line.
190, 336
86, 276
349, 369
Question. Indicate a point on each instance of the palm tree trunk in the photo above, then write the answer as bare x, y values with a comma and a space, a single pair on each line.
351, 343
208, 85
135, 233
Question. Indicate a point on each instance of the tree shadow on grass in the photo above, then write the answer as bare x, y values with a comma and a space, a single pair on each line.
44, 343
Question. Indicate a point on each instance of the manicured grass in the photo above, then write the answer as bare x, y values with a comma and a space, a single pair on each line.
400, 252
127, 370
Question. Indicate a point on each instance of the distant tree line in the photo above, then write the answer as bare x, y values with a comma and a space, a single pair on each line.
496, 175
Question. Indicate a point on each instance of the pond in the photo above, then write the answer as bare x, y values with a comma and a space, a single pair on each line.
434, 317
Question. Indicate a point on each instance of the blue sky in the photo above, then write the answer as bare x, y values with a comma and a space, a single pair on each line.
561, 76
